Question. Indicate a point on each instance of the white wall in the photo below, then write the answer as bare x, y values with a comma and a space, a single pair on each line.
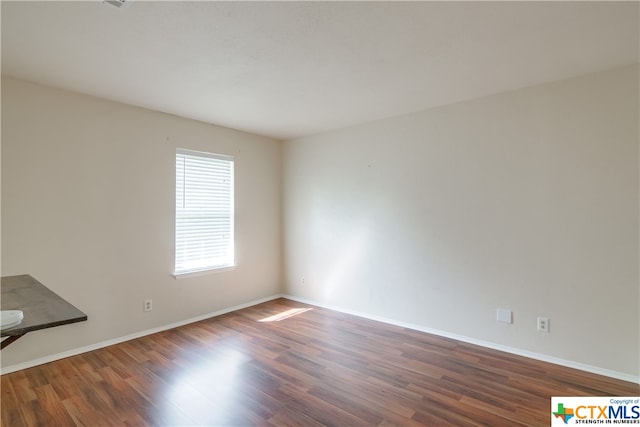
525, 200
88, 209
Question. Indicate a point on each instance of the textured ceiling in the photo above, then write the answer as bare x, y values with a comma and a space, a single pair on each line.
287, 69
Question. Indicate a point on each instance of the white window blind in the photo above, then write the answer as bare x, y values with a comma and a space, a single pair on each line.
204, 211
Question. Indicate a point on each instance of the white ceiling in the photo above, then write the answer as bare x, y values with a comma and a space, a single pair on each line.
287, 69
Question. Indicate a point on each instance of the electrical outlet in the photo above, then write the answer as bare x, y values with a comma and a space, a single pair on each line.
543, 324
148, 305
303, 280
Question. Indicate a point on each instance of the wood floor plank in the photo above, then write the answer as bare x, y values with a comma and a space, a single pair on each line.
52, 406
162, 410
22, 387
284, 363
10, 414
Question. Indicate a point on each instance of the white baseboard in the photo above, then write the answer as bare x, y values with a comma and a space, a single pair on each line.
80, 350
537, 356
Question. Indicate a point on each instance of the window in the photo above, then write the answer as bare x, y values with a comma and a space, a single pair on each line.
204, 211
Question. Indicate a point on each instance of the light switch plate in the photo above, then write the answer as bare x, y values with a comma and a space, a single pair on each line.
504, 315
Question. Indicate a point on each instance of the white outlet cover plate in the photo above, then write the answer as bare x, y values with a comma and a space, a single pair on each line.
504, 315
543, 324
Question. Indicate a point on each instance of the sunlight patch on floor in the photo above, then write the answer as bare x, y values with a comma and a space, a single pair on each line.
285, 315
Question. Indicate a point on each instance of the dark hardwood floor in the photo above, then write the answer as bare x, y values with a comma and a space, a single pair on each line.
316, 367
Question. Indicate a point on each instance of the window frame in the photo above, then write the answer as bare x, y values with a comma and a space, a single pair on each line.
180, 271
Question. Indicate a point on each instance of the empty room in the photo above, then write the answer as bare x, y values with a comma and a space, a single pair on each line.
320, 213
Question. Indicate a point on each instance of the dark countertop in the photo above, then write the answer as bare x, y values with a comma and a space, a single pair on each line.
42, 307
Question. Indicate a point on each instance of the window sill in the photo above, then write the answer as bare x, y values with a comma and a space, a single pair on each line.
205, 272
